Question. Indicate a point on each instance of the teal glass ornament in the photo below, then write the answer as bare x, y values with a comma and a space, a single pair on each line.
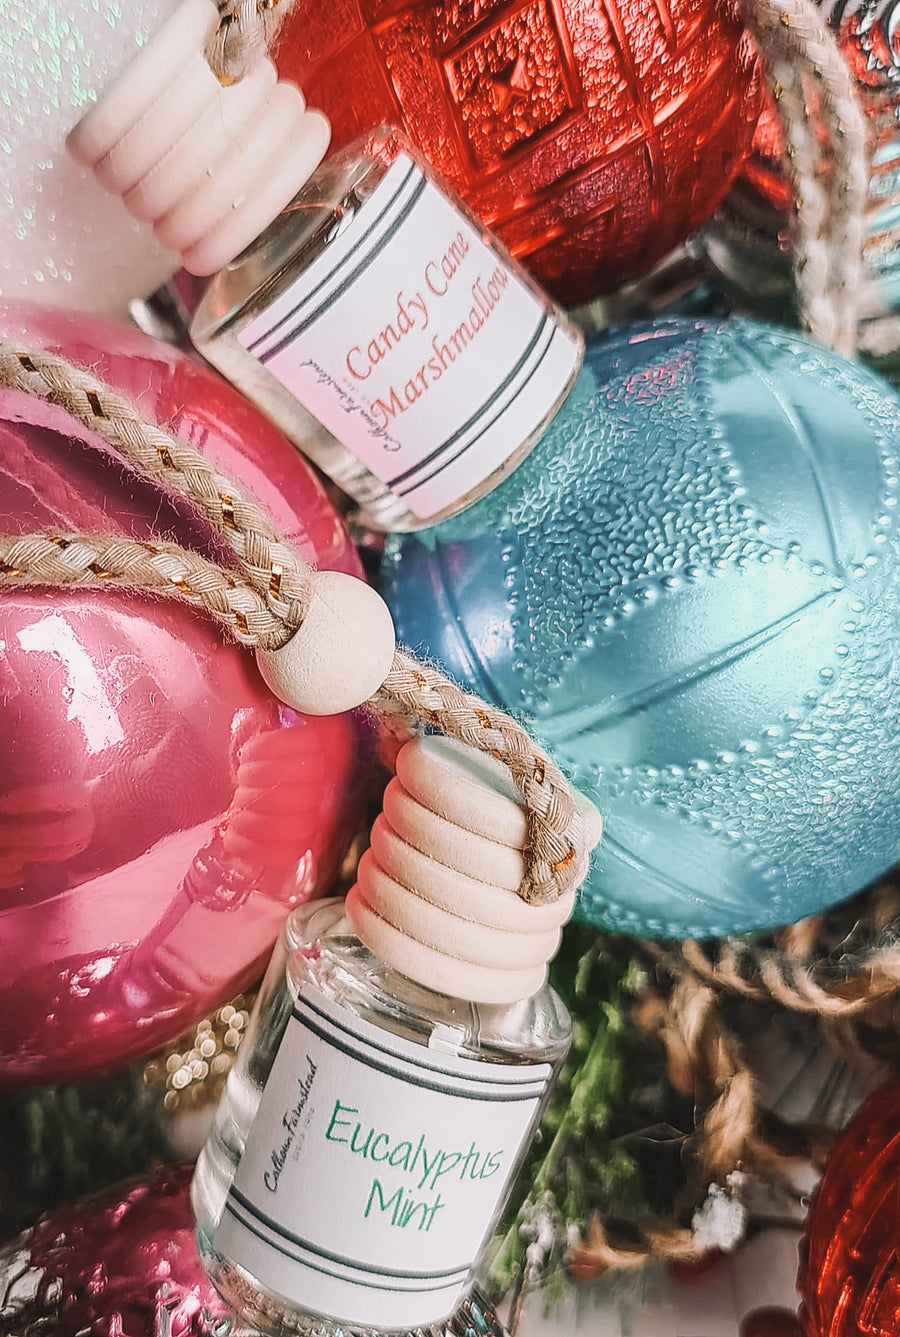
690, 590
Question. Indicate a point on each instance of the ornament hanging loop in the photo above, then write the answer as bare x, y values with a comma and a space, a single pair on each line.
805, 64
246, 31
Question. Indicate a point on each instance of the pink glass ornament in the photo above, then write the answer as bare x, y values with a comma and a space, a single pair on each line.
160, 810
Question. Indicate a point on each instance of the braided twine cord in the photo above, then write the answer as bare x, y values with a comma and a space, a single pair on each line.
839, 970
813, 89
246, 31
264, 599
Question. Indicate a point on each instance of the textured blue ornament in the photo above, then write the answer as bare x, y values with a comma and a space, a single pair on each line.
691, 591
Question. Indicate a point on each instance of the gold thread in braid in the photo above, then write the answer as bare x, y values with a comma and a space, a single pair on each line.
555, 828
164, 568
228, 511
175, 463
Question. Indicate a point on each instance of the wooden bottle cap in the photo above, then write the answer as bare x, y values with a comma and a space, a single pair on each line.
209, 166
435, 896
467, 787
462, 850
174, 114
180, 169
438, 970
468, 897
151, 71
433, 926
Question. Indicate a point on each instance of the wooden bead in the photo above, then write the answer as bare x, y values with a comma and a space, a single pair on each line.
341, 654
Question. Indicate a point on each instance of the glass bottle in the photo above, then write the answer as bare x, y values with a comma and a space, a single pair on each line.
391, 337
366, 1141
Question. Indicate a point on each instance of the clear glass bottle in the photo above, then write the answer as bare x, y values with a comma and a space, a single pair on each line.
366, 1141
391, 337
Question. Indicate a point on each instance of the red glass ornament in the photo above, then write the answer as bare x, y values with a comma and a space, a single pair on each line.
592, 136
868, 34
122, 1264
850, 1269
771, 1321
160, 811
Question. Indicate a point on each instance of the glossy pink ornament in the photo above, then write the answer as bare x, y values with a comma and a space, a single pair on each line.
160, 811
122, 1264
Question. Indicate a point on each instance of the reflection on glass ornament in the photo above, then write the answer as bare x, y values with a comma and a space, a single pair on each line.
690, 590
62, 239
125, 1264
749, 243
160, 811
592, 138
848, 1274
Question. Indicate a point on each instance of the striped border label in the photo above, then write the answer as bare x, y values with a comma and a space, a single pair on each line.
374, 1168
416, 345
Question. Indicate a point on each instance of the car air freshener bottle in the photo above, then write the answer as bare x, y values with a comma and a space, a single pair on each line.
398, 1059
362, 307
377, 308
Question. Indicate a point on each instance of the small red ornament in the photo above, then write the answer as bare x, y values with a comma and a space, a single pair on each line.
771, 1321
593, 137
122, 1264
850, 1273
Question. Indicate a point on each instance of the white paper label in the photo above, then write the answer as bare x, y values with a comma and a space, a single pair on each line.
416, 346
373, 1169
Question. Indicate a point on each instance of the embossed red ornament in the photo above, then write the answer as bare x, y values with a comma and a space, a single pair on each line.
850, 1273
592, 135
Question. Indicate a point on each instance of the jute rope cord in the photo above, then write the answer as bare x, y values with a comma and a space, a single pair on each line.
263, 601
841, 969
704, 1062
838, 966
246, 31
804, 63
